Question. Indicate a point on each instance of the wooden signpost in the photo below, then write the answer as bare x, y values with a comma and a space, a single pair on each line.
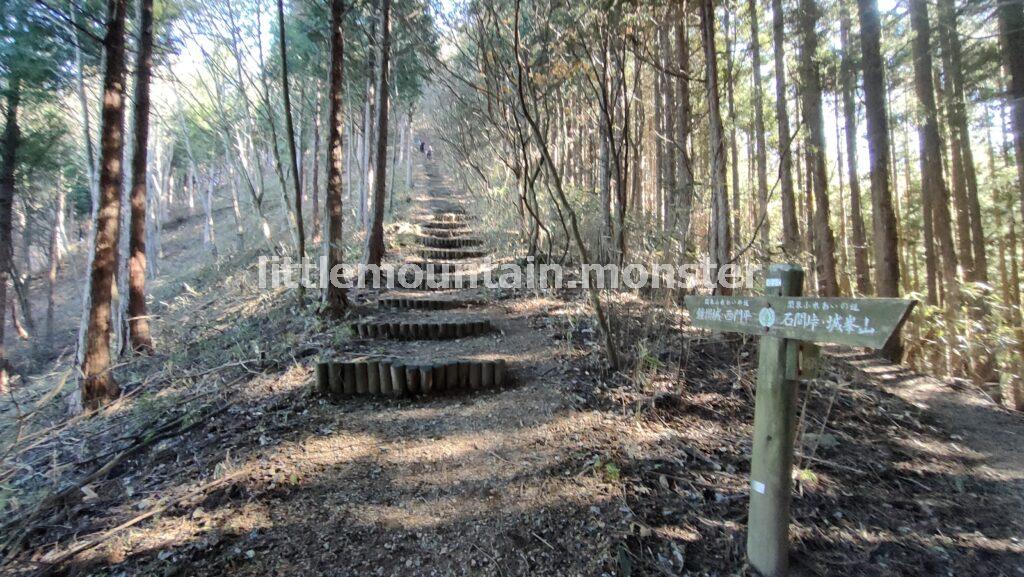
789, 326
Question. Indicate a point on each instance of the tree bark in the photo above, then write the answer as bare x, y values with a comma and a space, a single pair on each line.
760, 151
660, 207
236, 210
8, 162
300, 231
98, 384
604, 162
314, 170
669, 108
94, 188
1011, 27
719, 247
55, 259
952, 162
366, 170
965, 181
790, 224
884, 227
375, 238
849, 89
335, 298
824, 241
408, 154
733, 162
844, 235
209, 232
684, 171
935, 194
138, 321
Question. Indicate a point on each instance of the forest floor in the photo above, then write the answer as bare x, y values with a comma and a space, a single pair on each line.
221, 459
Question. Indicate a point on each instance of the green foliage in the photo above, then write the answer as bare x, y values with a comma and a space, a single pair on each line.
32, 50
606, 468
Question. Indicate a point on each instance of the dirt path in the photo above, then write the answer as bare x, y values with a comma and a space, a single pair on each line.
988, 434
564, 471
483, 483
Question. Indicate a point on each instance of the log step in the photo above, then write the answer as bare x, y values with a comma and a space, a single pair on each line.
448, 283
421, 330
336, 380
440, 268
452, 242
445, 232
444, 212
453, 212
446, 217
420, 304
441, 225
451, 253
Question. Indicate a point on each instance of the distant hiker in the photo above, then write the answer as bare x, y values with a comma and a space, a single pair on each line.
430, 152
422, 146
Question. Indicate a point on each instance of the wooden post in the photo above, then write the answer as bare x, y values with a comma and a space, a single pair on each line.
362, 378
385, 378
790, 326
373, 377
323, 378
335, 380
451, 376
774, 430
499, 373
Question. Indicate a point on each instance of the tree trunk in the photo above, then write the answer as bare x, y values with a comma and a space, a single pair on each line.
300, 231
684, 170
366, 174
94, 193
98, 384
965, 179
605, 197
315, 167
236, 210
408, 155
844, 236
349, 136
335, 297
138, 321
375, 238
952, 163
1015, 300
16, 317
1015, 297
935, 194
1011, 27
209, 232
719, 246
760, 151
790, 224
734, 160
849, 89
824, 241
55, 255
660, 207
8, 162
884, 227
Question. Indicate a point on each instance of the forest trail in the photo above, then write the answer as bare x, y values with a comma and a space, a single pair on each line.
992, 434
168, 408
566, 470
467, 483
